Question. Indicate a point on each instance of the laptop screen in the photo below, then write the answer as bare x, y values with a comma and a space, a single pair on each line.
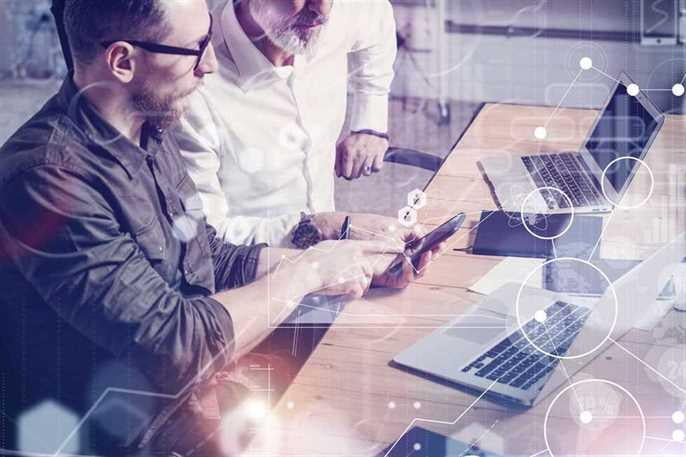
623, 131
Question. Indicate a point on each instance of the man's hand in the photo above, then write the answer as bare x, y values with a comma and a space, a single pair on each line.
401, 271
360, 154
345, 267
364, 227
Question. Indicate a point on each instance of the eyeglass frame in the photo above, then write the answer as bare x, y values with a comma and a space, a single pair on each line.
171, 50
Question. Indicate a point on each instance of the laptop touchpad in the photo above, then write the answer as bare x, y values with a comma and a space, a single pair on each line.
476, 330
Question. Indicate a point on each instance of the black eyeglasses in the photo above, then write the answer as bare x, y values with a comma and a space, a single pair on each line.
164, 49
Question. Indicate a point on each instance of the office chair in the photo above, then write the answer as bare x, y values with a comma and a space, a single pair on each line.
413, 158
386, 192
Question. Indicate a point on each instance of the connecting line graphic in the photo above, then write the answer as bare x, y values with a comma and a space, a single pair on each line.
564, 96
38, 454
544, 451
343, 313
666, 440
101, 398
564, 369
486, 432
675, 385
600, 237
433, 421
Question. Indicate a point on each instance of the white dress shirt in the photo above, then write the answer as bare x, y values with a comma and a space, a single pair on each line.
260, 141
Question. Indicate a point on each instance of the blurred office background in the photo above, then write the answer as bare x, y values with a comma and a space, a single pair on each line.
453, 56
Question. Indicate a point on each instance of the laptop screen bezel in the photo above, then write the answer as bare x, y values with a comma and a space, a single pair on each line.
612, 194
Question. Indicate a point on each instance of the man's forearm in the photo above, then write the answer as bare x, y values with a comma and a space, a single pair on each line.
270, 258
259, 307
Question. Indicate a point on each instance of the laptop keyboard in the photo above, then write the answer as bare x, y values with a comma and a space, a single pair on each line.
516, 362
566, 172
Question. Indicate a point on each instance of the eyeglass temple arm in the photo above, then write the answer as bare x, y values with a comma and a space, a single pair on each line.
57, 10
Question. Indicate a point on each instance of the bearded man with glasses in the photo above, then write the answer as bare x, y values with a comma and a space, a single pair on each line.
122, 309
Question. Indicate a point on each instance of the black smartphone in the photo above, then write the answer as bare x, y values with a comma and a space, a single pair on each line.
415, 248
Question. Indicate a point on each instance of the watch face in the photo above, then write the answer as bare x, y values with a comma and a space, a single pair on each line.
306, 235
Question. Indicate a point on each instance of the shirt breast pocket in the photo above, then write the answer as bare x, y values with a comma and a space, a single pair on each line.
152, 242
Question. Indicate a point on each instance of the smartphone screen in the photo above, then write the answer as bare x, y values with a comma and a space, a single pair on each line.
415, 249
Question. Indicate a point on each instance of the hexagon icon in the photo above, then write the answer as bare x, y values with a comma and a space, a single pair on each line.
407, 216
44, 428
416, 199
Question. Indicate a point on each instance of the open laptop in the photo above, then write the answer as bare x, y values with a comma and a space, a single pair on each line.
519, 363
626, 127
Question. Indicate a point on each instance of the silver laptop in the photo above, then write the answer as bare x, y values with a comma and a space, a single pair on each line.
626, 127
517, 361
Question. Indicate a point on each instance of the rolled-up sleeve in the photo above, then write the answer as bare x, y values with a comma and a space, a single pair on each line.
234, 266
63, 237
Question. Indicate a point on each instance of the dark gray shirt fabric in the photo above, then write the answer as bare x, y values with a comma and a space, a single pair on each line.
106, 268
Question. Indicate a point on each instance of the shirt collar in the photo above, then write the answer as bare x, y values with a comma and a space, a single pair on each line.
94, 130
253, 67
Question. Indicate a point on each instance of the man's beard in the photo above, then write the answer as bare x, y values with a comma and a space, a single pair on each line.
287, 34
158, 112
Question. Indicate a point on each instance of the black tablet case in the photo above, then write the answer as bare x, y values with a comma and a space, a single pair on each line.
501, 233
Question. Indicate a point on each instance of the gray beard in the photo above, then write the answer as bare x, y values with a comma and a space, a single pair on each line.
282, 34
291, 42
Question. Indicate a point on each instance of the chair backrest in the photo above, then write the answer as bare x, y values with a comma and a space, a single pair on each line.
413, 158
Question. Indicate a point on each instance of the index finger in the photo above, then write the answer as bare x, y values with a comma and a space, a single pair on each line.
382, 246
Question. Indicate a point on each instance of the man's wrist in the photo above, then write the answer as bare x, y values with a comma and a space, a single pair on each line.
372, 132
307, 233
314, 228
329, 224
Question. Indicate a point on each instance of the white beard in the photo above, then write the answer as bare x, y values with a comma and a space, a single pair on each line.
281, 33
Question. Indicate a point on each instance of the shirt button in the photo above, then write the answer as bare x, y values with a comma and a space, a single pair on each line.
160, 248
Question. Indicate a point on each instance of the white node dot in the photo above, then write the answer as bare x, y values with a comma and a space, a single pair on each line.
633, 89
678, 435
586, 417
392, 228
391, 405
417, 405
417, 446
678, 89
341, 280
290, 405
586, 63
540, 133
540, 316
315, 265
678, 417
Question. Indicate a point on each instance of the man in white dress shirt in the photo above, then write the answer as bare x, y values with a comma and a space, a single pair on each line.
261, 139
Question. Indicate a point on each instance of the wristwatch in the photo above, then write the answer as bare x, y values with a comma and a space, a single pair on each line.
306, 234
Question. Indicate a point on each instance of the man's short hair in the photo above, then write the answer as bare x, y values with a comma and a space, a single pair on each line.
90, 22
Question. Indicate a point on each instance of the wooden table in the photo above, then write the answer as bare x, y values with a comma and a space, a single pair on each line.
347, 400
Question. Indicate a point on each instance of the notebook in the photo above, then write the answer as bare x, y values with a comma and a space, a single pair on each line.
501, 233
418, 442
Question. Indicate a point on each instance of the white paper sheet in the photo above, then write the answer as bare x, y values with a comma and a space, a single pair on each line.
511, 269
